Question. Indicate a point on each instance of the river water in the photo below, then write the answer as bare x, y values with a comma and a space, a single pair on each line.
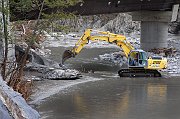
102, 94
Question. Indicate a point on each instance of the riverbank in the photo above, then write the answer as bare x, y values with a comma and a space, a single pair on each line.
15, 103
89, 62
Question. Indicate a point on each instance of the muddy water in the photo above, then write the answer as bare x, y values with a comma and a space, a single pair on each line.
111, 97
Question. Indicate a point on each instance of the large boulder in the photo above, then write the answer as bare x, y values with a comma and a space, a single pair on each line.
48, 68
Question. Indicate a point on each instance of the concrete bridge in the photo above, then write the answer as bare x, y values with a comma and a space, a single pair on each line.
153, 14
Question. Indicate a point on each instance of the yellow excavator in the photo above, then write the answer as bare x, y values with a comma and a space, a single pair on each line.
139, 64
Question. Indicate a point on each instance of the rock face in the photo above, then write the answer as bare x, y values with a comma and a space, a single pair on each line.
116, 23
16, 103
80, 23
122, 24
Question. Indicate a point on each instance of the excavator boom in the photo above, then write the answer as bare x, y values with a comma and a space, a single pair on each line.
117, 39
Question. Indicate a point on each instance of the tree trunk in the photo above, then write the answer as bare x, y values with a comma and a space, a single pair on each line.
4, 18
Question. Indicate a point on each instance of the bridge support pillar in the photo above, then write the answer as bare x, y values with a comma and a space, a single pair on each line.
153, 34
154, 28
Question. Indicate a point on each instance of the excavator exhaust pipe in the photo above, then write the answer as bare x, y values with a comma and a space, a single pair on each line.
66, 55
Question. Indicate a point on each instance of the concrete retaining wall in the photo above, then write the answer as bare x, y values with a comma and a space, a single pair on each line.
15, 103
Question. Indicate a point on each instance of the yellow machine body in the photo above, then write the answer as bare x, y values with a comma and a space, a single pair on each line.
137, 58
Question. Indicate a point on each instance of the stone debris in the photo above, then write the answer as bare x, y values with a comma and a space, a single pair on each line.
173, 65
50, 72
116, 58
61, 74
165, 51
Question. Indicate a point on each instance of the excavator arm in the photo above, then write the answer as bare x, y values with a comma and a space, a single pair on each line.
117, 39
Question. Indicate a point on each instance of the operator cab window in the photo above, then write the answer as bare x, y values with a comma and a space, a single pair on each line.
142, 59
138, 59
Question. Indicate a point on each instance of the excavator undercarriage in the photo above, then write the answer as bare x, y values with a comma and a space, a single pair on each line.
138, 73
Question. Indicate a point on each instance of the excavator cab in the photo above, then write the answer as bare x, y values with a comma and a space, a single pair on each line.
138, 66
137, 59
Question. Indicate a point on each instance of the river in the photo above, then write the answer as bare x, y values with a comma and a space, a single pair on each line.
102, 94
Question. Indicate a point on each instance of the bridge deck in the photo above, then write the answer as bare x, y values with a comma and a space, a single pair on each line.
92, 7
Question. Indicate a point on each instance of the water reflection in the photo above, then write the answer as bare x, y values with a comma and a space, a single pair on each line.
113, 105
80, 104
122, 106
157, 92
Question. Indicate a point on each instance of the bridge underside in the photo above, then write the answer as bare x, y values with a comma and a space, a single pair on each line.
92, 7
153, 14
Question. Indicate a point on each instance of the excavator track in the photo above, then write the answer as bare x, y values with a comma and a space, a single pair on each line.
139, 73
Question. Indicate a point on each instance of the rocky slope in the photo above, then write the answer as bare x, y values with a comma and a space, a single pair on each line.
116, 23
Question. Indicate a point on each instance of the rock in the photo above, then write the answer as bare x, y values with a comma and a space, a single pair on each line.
53, 72
19, 53
61, 74
174, 27
122, 24
16, 103
116, 58
164, 51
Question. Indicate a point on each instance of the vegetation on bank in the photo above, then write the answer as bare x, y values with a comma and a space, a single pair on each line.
31, 34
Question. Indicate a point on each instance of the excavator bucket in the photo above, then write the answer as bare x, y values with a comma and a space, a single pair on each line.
66, 55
